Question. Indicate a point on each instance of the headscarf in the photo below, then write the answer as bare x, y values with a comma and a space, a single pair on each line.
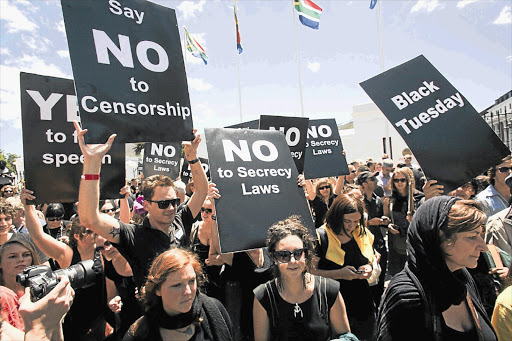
425, 257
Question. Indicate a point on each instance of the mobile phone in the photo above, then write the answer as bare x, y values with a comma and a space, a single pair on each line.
359, 271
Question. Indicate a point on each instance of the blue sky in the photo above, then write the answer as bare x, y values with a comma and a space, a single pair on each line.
469, 41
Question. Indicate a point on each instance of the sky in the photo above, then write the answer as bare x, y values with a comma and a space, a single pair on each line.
468, 41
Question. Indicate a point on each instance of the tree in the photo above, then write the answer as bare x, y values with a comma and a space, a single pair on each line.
9, 159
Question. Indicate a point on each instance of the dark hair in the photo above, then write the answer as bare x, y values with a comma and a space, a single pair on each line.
344, 204
464, 216
409, 176
54, 210
76, 228
492, 170
149, 184
291, 226
166, 263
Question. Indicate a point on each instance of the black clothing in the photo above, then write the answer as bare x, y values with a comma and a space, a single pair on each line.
86, 317
320, 209
416, 297
310, 322
215, 324
141, 244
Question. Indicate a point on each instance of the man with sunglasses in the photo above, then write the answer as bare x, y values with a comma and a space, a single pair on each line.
163, 228
497, 195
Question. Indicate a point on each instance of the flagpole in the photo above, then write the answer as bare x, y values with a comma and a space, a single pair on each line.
298, 61
238, 71
386, 125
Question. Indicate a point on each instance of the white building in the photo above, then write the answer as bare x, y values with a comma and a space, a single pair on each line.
368, 137
499, 117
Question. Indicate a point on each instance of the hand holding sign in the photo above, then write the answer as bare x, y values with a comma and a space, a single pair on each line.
92, 151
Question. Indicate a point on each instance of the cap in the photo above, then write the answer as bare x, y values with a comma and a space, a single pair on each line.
387, 163
363, 176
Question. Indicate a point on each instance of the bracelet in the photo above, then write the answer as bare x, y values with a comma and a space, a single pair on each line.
191, 162
90, 176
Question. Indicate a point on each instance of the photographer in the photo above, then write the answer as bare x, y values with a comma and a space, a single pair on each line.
86, 319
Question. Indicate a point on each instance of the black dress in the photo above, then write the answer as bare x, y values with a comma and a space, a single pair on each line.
310, 321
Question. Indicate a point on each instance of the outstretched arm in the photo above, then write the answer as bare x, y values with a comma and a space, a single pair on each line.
198, 175
89, 195
50, 246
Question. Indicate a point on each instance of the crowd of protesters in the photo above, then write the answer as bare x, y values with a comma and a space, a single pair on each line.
392, 259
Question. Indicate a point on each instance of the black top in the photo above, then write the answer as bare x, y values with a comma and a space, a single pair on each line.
141, 244
374, 208
308, 322
320, 209
470, 335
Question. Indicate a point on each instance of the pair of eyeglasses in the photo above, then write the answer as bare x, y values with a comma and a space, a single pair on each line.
399, 180
206, 210
163, 204
285, 256
504, 169
108, 210
324, 187
54, 218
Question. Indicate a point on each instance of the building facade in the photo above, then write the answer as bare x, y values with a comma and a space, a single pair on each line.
499, 117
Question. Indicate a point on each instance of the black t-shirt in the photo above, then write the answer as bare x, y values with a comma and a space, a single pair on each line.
307, 322
141, 244
320, 208
375, 209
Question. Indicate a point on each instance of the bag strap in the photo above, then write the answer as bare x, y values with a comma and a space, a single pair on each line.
475, 317
495, 255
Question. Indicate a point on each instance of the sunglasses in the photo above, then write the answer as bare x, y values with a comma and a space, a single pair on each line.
504, 169
353, 171
285, 256
54, 218
89, 232
107, 243
163, 204
8, 191
108, 210
407, 158
399, 180
324, 187
207, 210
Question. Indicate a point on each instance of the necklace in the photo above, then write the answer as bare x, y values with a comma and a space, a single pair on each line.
297, 310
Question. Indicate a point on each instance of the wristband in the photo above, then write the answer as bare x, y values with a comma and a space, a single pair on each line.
191, 162
90, 176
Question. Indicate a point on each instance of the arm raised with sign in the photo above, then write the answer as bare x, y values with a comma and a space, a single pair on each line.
89, 194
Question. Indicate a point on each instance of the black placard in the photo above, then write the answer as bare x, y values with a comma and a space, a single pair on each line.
295, 131
324, 150
128, 70
257, 179
246, 125
51, 154
448, 137
186, 174
162, 158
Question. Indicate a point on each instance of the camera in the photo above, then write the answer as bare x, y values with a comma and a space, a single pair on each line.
41, 279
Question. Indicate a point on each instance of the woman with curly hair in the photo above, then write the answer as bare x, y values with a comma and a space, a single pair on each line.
296, 305
174, 307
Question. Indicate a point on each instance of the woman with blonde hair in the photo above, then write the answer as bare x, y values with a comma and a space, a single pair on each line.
174, 307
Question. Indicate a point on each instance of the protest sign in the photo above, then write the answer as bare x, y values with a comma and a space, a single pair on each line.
448, 137
128, 70
52, 156
186, 174
162, 158
246, 125
295, 131
324, 151
256, 176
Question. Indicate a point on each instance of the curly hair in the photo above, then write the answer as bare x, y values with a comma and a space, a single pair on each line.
166, 263
7, 209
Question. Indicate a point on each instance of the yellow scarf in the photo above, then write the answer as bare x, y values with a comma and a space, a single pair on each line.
336, 254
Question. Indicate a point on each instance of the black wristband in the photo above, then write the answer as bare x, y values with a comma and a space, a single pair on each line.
191, 162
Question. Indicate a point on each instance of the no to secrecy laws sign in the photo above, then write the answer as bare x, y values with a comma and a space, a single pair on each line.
128, 70
257, 178
52, 156
162, 158
295, 132
451, 141
324, 150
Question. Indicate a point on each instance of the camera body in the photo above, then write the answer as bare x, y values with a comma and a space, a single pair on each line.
41, 279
